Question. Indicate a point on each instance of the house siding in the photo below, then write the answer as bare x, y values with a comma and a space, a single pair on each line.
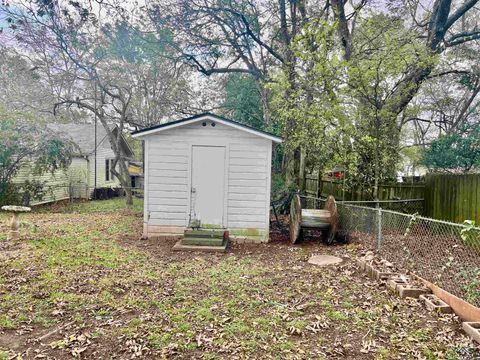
168, 172
59, 183
78, 177
104, 152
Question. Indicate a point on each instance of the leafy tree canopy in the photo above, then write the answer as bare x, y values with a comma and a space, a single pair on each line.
455, 152
242, 100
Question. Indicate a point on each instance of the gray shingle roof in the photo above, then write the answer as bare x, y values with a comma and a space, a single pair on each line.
81, 134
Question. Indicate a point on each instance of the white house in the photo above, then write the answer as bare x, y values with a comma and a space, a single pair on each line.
209, 170
90, 167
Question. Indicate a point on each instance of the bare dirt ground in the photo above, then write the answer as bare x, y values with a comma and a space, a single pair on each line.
81, 284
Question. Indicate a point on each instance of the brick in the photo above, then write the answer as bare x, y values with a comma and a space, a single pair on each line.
472, 329
383, 275
411, 291
239, 240
394, 281
372, 272
361, 264
433, 303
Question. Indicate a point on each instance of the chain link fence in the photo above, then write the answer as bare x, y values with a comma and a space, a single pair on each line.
407, 206
444, 253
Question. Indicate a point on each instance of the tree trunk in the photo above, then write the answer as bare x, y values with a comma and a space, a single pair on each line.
291, 175
267, 116
375, 180
289, 167
123, 176
124, 179
342, 27
301, 170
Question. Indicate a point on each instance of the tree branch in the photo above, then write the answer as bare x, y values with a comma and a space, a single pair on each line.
249, 32
459, 13
224, 70
463, 72
462, 38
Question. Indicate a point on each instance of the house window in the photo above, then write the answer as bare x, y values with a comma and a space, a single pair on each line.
108, 170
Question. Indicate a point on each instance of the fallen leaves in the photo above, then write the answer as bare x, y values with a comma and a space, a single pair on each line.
75, 344
141, 300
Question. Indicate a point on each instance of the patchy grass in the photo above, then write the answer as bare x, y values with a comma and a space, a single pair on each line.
88, 207
81, 276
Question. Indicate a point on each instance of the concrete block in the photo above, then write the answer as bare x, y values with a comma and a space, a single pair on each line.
412, 291
375, 273
168, 229
433, 303
180, 247
394, 281
472, 329
369, 270
372, 269
361, 264
383, 275
239, 240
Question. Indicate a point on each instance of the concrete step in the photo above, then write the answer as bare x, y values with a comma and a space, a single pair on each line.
209, 234
202, 241
179, 246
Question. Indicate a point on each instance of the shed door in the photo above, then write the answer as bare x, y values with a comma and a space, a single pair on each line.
208, 184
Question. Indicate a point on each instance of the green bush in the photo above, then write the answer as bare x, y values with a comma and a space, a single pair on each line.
22, 194
10, 195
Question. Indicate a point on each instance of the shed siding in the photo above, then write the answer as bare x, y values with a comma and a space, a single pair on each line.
168, 180
247, 185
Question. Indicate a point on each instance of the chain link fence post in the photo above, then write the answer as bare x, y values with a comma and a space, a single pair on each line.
379, 228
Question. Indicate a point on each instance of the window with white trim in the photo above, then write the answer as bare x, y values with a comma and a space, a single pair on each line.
108, 170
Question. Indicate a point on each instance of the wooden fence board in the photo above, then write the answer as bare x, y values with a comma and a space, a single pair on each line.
447, 197
386, 191
453, 197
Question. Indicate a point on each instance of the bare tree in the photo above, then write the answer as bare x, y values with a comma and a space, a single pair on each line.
74, 54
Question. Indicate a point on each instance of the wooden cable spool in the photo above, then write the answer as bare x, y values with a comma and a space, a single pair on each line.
331, 206
324, 219
295, 218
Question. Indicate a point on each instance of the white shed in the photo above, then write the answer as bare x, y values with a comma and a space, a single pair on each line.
209, 170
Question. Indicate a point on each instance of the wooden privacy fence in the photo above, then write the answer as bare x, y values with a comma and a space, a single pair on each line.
453, 198
323, 188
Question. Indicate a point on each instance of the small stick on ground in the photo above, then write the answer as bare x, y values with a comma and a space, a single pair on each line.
43, 337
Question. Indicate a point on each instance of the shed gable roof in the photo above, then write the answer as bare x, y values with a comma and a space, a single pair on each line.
206, 116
